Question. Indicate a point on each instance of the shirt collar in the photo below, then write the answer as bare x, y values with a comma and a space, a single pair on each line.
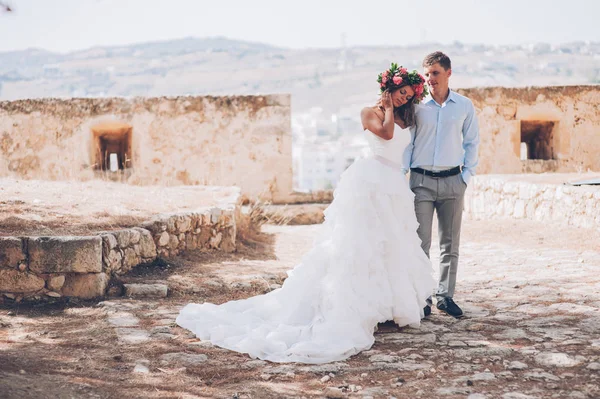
451, 97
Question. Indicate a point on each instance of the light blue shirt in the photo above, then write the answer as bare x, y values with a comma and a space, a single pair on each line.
444, 135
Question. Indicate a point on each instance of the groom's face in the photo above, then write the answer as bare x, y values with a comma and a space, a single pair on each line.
437, 78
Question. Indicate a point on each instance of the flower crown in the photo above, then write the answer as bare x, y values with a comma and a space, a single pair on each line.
394, 77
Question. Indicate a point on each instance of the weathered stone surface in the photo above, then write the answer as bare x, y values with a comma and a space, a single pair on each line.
90, 285
516, 365
11, 252
123, 238
156, 226
163, 239
147, 245
114, 260
556, 360
109, 242
12, 280
333, 393
204, 236
65, 254
146, 290
191, 241
190, 359
55, 283
141, 368
134, 236
132, 336
183, 223
123, 319
593, 366
228, 241
130, 259
216, 240
173, 242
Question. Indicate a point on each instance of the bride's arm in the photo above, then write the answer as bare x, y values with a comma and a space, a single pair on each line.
372, 121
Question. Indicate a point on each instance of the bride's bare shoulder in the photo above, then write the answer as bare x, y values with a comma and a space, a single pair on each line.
371, 116
371, 113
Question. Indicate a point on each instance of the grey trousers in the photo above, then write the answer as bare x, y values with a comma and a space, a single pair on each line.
444, 196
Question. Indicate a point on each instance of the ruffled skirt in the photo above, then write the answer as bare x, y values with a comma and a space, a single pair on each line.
366, 266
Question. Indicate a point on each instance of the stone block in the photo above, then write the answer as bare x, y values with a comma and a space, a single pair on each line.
134, 236
123, 238
11, 252
146, 290
147, 245
171, 224
155, 226
173, 242
216, 240
113, 261
191, 241
65, 254
109, 242
163, 239
130, 259
55, 283
12, 280
205, 235
90, 285
183, 223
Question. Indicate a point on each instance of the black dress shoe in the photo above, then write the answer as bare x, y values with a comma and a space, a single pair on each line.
448, 306
426, 310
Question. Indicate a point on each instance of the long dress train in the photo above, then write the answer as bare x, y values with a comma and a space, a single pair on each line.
366, 266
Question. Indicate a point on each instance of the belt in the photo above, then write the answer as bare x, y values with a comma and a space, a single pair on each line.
443, 173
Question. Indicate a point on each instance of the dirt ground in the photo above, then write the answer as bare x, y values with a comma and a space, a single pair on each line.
530, 292
35, 208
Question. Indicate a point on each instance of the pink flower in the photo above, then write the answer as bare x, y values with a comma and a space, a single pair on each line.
397, 80
384, 79
418, 90
382, 85
403, 71
385, 74
422, 78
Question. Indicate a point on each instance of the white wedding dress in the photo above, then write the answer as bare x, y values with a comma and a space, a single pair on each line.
366, 266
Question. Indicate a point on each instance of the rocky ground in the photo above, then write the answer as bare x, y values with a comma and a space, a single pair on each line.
532, 330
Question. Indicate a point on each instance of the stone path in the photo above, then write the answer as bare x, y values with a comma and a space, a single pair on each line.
530, 292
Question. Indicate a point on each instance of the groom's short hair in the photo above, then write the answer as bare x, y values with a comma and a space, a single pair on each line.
437, 57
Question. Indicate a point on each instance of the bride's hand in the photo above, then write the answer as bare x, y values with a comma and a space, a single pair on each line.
386, 100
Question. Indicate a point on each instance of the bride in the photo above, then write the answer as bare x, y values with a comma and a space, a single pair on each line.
366, 265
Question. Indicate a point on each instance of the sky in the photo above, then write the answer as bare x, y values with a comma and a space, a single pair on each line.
68, 25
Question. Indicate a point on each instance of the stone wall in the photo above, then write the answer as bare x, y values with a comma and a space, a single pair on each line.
34, 267
490, 197
243, 141
506, 115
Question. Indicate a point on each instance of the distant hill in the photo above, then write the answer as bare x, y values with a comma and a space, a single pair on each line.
332, 79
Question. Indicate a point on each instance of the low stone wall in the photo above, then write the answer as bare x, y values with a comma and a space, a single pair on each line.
37, 267
496, 198
535, 197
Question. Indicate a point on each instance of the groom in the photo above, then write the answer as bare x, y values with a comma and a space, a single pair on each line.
442, 157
